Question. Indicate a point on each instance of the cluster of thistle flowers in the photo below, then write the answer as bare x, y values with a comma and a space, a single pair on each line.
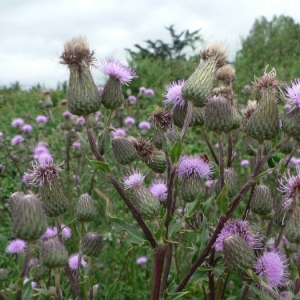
30, 216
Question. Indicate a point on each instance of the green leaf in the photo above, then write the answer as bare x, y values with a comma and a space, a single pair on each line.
222, 200
261, 294
27, 290
99, 165
174, 227
191, 207
160, 234
176, 295
83, 140
272, 162
207, 204
259, 176
176, 151
43, 292
113, 290
108, 139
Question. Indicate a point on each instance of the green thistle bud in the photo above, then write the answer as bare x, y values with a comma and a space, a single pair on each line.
112, 96
251, 146
86, 210
53, 253
264, 122
247, 113
157, 162
288, 147
179, 114
28, 218
198, 117
237, 118
281, 216
238, 254
197, 89
36, 271
91, 244
218, 115
262, 203
292, 231
123, 150
15, 198
145, 203
231, 180
47, 99
291, 122
83, 95
3, 275
191, 186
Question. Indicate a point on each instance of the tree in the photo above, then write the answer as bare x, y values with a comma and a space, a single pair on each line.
275, 43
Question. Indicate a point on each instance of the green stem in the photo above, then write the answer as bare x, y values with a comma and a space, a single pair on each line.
221, 159
57, 284
90, 268
105, 132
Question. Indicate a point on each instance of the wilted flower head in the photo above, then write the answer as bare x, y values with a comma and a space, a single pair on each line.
17, 122
292, 94
173, 94
80, 121
42, 119
271, 266
132, 99
141, 260
290, 186
194, 166
129, 120
244, 162
240, 228
115, 69
16, 246
144, 125
44, 173
119, 132
73, 261
134, 179
159, 190
18, 139
27, 128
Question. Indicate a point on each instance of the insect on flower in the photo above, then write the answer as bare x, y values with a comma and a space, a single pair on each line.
205, 158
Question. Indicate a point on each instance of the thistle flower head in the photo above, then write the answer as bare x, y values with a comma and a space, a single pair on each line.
66, 231
267, 81
226, 74
27, 128
129, 120
119, 132
290, 186
194, 166
17, 122
141, 260
80, 121
144, 125
292, 94
115, 69
159, 190
42, 119
18, 139
73, 261
173, 94
271, 266
161, 118
244, 162
134, 179
132, 99
68, 115
76, 145
44, 173
216, 51
16, 246
240, 228
100, 89
39, 150
45, 158
149, 92
49, 233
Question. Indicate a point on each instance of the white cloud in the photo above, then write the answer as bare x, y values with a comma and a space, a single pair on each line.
33, 32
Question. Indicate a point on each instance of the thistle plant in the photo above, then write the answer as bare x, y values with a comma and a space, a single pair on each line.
192, 198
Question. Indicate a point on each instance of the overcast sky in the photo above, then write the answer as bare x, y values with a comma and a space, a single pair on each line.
33, 31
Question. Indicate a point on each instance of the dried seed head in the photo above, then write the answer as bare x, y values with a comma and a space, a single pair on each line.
161, 118
267, 81
216, 51
226, 75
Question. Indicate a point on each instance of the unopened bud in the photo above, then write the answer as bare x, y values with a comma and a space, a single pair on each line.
91, 244
123, 150
86, 210
262, 203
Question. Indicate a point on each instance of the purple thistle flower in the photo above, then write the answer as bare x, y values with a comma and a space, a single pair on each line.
149, 92
290, 186
77, 145
132, 99
141, 260
1, 133
100, 89
39, 150
17, 122
292, 94
27, 128
132, 180
68, 115
159, 190
119, 132
66, 231
45, 158
44, 172
145, 125
80, 121
73, 261
26, 179
247, 87
271, 266
244, 162
16, 246
287, 106
294, 161
18, 139
173, 94
240, 228
142, 90
129, 120
194, 166
49, 233
115, 69
42, 119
